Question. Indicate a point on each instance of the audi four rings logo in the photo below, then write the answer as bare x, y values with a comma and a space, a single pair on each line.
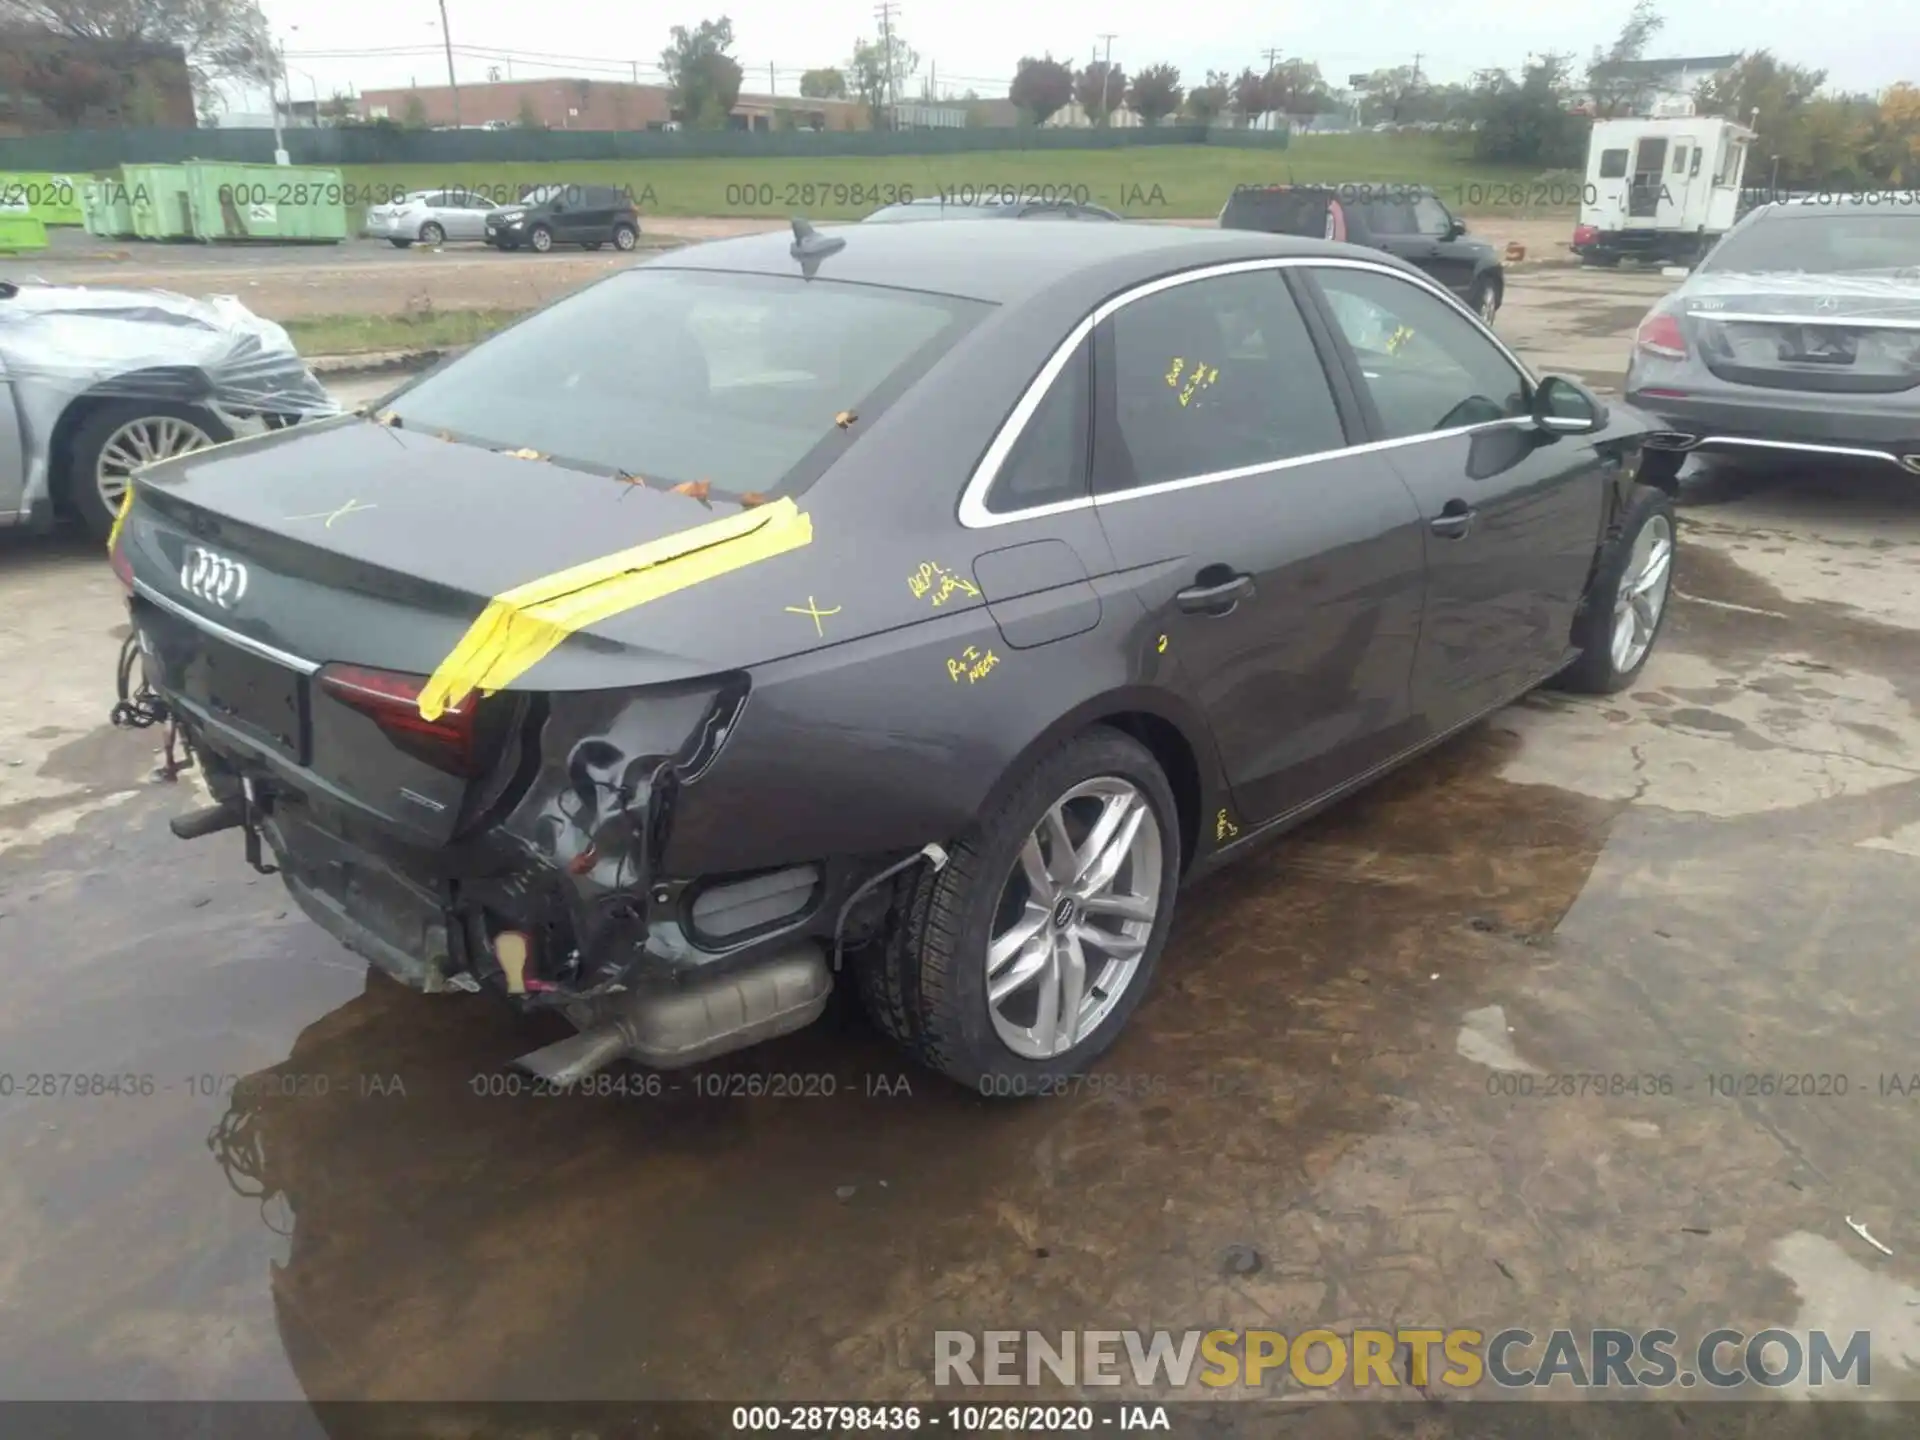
213, 578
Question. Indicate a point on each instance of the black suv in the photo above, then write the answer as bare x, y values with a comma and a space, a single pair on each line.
550, 215
1407, 221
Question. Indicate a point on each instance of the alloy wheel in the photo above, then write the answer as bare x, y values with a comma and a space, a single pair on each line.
1489, 304
1074, 918
624, 238
541, 241
142, 442
1643, 593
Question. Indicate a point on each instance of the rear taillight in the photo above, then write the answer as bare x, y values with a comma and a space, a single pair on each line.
392, 701
1585, 234
1659, 334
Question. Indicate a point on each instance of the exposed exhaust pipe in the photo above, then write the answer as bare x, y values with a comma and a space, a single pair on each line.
672, 1028
1910, 463
1671, 440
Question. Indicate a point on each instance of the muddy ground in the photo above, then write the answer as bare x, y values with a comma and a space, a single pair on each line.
1336, 1108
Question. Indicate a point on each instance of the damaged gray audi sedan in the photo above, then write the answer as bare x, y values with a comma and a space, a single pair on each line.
912, 606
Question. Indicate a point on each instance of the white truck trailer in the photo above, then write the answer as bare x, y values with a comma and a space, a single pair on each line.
1660, 190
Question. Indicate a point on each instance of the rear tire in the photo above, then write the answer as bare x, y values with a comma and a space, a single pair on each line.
625, 237
1625, 591
112, 430
926, 984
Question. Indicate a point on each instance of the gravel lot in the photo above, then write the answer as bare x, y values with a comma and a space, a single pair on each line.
1714, 875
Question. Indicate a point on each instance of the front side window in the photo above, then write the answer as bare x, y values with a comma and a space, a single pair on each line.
1425, 366
687, 376
1210, 376
1431, 217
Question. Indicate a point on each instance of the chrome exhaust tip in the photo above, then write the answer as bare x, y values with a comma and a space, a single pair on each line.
1671, 440
1910, 463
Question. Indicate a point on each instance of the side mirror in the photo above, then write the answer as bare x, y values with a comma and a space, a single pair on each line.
1455, 229
1566, 407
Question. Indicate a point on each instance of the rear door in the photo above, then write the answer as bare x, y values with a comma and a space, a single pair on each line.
1512, 513
1392, 224
1281, 575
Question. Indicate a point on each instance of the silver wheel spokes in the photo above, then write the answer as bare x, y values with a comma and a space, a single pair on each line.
143, 442
1074, 918
1643, 593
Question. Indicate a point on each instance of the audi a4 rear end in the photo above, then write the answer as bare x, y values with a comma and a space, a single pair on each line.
786, 613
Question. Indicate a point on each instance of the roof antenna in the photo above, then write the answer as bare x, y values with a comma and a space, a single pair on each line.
810, 247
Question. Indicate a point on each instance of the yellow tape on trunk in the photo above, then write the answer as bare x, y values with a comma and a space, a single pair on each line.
521, 627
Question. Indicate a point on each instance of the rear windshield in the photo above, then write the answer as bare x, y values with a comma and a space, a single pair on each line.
1278, 212
1821, 245
682, 375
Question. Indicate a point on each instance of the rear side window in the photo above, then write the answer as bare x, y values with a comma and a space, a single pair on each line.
1613, 164
1210, 376
1277, 212
683, 376
1389, 217
1048, 463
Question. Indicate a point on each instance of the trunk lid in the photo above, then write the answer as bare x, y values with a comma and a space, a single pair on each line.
350, 540
1829, 334
260, 571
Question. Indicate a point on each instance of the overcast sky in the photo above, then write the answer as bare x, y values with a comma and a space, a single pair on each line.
1862, 44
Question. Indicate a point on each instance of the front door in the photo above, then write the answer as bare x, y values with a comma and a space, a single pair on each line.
1454, 255
1511, 513
1285, 588
1649, 177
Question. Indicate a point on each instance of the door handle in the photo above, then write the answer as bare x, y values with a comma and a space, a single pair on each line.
1216, 599
1454, 521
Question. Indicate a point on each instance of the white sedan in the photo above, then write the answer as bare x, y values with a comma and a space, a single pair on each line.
430, 217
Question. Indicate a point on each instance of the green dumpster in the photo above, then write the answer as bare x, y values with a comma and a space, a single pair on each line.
106, 208
266, 202
51, 199
20, 231
158, 200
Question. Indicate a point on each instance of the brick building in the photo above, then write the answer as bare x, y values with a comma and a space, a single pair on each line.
572, 104
58, 82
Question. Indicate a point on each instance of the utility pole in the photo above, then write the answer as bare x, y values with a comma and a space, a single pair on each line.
773, 87
884, 12
446, 37
1273, 59
1106, 81
1418, 56
275, 69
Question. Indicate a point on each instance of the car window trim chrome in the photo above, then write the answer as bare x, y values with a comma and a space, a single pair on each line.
974, 514
232, 637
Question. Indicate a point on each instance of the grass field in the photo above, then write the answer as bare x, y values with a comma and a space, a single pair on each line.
1144, 182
